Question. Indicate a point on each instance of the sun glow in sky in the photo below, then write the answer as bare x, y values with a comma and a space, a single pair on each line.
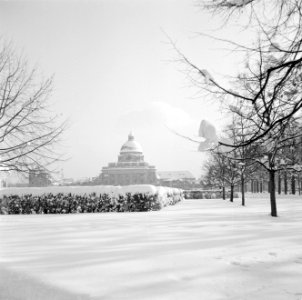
115, 72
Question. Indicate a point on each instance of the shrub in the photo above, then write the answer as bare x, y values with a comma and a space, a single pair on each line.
62, 203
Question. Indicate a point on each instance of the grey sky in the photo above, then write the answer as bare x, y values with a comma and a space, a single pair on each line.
113, 74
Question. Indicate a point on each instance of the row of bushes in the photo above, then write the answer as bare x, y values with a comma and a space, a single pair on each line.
91, 203
207, 195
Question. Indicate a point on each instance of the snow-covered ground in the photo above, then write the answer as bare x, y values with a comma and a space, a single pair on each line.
198, 249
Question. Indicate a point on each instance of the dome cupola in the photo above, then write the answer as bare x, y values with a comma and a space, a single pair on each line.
131, 145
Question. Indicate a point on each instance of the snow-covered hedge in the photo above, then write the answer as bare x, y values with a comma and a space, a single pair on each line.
207, 194
86, 199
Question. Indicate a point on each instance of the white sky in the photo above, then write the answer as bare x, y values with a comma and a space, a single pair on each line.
114, 72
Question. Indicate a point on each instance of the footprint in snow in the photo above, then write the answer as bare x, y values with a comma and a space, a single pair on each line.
272, 253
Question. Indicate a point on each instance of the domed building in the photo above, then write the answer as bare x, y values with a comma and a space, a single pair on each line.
130, 167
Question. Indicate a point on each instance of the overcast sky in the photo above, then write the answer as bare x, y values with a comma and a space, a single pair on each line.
115, 73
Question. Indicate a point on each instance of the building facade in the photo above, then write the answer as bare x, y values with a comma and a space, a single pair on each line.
130, 167
38, 178
286, 182
178, 179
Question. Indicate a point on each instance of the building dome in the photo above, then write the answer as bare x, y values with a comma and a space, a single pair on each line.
131, 145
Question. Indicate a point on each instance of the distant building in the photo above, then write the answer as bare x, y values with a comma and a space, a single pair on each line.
179, 179
2, 178
286, 182
85, 181
13, 179
66, 181
130, 167
2, 183
39, 178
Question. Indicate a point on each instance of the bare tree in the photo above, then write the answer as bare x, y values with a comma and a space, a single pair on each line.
269, 80
29, 130
215, 172
235, 162
222, 171
268, 88
232, 175
270, 155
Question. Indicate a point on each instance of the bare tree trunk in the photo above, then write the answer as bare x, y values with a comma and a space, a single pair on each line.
223, 192
273, 193
242, 190
232, 193
279, 183
293, 184
285, 183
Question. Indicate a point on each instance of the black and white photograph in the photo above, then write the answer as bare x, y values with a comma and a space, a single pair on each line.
150, 149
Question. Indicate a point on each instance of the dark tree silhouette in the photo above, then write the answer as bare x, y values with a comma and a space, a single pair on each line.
269, 81
29, 130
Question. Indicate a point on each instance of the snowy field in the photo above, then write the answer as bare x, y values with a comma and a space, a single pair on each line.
198, 249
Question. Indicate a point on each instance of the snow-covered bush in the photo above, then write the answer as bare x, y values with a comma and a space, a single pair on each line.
206, 194
63, 200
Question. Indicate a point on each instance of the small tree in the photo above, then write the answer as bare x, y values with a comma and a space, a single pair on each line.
215, 172
232, 175
222, 170
238, 133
